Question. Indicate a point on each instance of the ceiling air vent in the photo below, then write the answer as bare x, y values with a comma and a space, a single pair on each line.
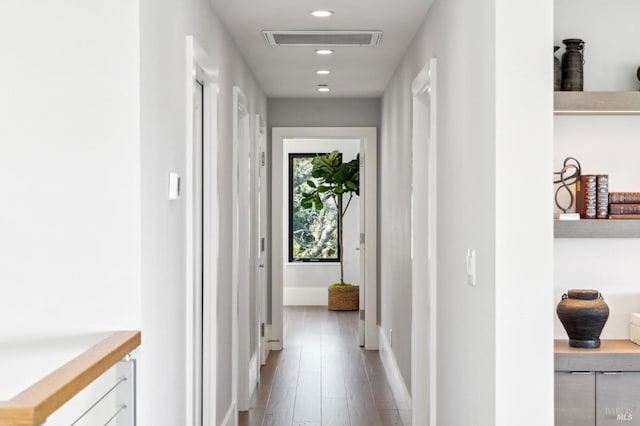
322, 38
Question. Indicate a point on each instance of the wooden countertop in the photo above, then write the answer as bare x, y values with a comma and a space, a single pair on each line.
612, 355
33, 405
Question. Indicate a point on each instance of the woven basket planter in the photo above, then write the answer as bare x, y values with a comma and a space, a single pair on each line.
344, 298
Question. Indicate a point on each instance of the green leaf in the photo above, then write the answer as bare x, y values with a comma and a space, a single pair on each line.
319, 205
311, 183
322, 189
338, 190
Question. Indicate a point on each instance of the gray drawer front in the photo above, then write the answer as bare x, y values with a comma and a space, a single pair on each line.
575, 395
618, 399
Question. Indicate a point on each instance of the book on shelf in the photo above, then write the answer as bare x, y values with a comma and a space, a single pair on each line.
602, 198
625, 216
624, 197
624, 208
586, 195
592, 197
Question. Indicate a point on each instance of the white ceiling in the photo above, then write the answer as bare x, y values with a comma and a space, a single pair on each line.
289, 71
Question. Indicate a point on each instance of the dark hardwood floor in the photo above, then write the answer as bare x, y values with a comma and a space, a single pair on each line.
322, 377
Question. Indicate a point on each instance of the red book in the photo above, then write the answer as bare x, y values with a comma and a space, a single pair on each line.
586, 191
624, 197
624, 208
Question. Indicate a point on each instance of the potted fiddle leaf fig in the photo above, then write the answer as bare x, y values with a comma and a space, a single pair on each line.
333, 179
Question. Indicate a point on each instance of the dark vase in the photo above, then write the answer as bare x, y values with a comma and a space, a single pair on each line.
557, 70
583, 313
572, 65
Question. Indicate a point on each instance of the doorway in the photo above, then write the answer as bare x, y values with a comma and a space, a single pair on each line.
367, 139
424, 246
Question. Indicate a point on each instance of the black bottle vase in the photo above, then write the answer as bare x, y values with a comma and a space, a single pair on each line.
557, 71
583, 313
572, 65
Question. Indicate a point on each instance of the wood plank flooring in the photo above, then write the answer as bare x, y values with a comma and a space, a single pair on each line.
322, 377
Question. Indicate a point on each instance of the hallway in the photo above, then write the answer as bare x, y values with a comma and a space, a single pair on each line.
322, 376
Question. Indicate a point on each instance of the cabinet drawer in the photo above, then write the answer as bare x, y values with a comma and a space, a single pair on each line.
618, 398
575, 393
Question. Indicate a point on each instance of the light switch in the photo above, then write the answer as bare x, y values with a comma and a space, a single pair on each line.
471, 267
174, 186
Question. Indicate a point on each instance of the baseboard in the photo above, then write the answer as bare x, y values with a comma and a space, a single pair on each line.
398, 386
230, 417
275, 346
253, 373
266, 347
305, 296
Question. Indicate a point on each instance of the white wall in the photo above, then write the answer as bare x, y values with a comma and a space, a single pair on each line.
96, 111
70, 167
334, 112
484, 138
602, 145
164, 27
305, 283
610, 54
524, 228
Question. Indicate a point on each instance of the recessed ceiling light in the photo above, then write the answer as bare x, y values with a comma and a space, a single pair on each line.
322, 13
323, 88
323, 72
324, 52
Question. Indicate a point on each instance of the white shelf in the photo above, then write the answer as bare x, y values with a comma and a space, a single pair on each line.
597, 228
597, 103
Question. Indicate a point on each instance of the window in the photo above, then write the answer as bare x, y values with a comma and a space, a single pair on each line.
313, 234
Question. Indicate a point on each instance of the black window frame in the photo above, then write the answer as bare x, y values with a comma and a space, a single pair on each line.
337, 259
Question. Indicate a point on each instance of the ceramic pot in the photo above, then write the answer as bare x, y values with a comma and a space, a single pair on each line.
583, 313
572, 65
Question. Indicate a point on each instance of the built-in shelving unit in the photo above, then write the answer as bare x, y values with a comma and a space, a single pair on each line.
597, 228
597, 103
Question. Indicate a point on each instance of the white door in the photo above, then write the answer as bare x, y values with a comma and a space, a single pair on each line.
263, 244
198, 123
244, 258
362, 247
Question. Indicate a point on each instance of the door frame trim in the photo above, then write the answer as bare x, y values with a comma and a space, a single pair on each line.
424, 321
200, 360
